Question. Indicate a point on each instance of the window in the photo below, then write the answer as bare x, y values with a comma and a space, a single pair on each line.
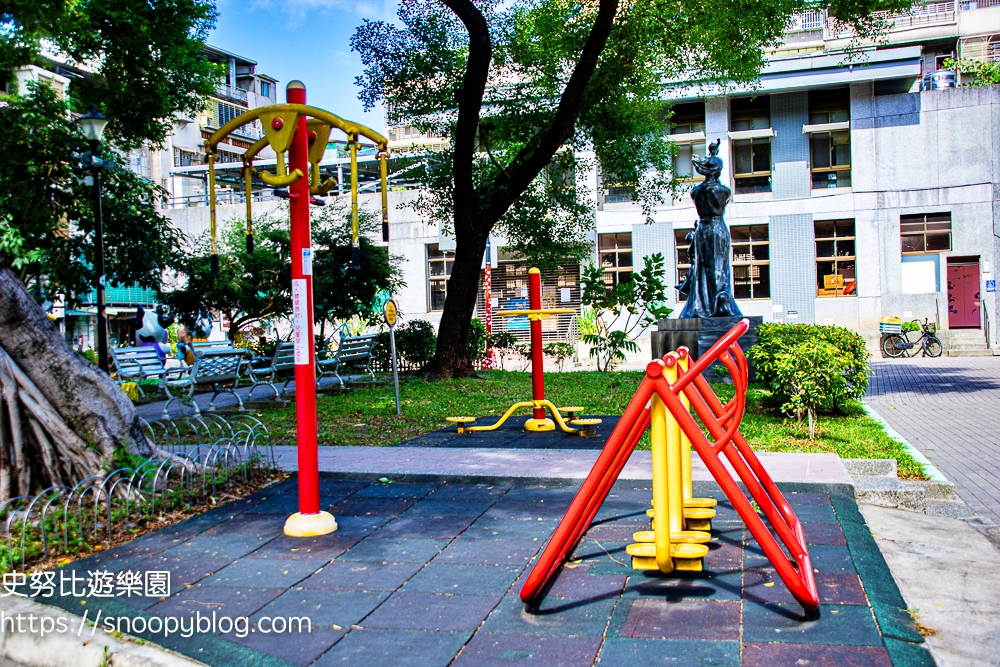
439, 263
925, 233
682, 245
751, 262
830, 151
835, 258
616, 257
617, 191
265, 88
688, 119
752, 157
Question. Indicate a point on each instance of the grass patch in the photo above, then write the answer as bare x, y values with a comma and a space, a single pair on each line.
367, 415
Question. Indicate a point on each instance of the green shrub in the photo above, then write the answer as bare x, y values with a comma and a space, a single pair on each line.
559, 351
477, 339
852, 360
416, 342
809, 376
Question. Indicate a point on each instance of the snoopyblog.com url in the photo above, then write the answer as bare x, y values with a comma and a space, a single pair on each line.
166, 626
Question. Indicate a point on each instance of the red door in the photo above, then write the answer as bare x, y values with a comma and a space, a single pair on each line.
963, 295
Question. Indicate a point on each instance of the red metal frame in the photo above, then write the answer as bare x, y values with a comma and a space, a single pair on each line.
537, 360
722, 422
305, 373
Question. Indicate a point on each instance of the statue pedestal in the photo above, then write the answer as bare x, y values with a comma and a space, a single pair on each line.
699, 334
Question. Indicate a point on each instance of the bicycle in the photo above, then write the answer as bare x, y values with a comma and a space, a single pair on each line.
898, 345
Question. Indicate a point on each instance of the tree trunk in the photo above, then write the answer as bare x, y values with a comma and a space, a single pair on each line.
451, 358
61, 418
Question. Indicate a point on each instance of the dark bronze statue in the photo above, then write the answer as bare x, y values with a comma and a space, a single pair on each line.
708, 281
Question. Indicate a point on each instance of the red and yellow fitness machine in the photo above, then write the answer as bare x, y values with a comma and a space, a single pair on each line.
676, 542
538, 403
303, 133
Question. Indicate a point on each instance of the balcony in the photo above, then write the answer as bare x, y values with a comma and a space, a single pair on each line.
806, 21
232, 94
933, 13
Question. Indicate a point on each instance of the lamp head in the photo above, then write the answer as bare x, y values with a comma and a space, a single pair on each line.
92, 123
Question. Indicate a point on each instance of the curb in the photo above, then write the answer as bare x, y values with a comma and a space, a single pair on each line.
87, 647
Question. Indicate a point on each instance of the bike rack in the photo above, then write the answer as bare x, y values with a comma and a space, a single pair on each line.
722, 422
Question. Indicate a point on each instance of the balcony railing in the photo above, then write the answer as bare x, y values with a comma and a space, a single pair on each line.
970, 5
806, 21
933, 13
232, 93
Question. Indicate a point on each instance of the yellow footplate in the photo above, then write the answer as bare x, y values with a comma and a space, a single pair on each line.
695, 518
686, 557
688, 536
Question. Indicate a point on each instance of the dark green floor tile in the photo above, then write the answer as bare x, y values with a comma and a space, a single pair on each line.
399, 648
908, 654
395, 550
848, 625
528, 650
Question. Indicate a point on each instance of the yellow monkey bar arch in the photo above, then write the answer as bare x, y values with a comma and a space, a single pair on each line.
279, 121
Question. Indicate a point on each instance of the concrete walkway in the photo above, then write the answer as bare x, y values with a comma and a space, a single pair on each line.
949, 576
542, 464
947, 408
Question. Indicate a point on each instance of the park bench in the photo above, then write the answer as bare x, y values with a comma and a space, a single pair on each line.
219, 369
134, 364
353, 351
265, 371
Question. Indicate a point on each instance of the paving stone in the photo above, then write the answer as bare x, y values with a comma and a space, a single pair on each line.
823, 533
618, 652
848, 625
463, 579
797, 498
712, 620
355, 506
818, 513
395, 490
323, 608
218, 546
261, 572
183, 571
427, 611
359, 526
319, 549
797, 655
555, 616
825, 557
509, 529
524, 509
593, 552
395, 550
420, 526
429, 507
485, 552
685, 586
360, 576
723, 557
148, 545
490, 650
224, 600
468, 491
399, 648
563, 495
302, 650
579, 583
249, 524
842, 588
615, 532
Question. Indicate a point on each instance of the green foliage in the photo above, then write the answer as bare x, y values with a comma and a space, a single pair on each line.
89, 355
810, 376
774, 340
254, 287
911, 326
477, 339
416, 341
146, 57
559, 351
982, 73
47, 218
586, 321
505, 345
640, 301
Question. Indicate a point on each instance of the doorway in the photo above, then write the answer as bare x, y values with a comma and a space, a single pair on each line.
963, 293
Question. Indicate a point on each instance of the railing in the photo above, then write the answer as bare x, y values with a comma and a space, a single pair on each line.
221, 197
971, 5
813, 20
933, 13
232, 93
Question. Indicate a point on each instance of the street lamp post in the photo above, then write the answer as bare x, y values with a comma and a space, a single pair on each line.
92, 123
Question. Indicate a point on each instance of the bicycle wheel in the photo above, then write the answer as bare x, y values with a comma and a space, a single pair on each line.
890, 346
932, 346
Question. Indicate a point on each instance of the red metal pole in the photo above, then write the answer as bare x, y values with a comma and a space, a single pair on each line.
302, 297
537, 362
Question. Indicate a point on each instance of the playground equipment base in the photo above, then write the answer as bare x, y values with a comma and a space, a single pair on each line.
310, 525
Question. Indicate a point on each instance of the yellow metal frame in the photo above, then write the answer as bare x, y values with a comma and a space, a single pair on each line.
279, 121
679, 524
534, 405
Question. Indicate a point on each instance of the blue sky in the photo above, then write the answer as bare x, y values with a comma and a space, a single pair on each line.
307, 40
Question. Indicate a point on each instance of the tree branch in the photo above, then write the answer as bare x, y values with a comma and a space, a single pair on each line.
538, 153
470, 102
